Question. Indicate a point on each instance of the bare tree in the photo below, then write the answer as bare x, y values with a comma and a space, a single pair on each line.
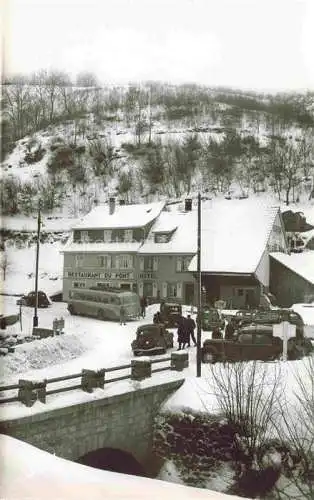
4, 263
296, 428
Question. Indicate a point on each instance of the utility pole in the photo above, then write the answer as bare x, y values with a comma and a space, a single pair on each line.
35, 318
199, 295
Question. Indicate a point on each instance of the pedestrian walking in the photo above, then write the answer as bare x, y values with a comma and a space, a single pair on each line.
143, 304
122, 316
190, 327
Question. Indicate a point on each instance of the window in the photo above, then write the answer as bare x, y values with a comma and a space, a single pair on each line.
240, 292
107, 235
104, 261
161, 238
185, 263
84, 236
128, 235
148, 289
125, 261
182, 263
148, 263
172, 289
100, 260
78, 284
79, 260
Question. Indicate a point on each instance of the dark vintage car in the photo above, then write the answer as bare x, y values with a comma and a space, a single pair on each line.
211, 319
253, 342
30, 299
170, 314
277, 316
152, 339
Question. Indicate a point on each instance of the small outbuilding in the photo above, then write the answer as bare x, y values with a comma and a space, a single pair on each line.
292, 277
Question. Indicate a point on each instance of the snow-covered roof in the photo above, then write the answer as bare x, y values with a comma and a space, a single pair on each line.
124, 216
183, 240
101, 247
234, 239
300, 263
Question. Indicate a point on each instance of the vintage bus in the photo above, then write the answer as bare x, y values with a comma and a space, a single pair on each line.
104, 304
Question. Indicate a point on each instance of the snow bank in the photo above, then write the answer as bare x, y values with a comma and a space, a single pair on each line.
28, 472
42, 353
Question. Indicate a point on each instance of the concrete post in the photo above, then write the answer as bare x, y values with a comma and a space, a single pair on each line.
31, 391
92, 379
141, 369
179, 361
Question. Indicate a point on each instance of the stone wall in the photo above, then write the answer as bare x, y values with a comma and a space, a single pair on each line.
123, 421
197, 444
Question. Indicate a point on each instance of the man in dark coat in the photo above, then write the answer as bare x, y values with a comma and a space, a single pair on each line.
143, 304
229, 330
182, 334
190, 327
157, 317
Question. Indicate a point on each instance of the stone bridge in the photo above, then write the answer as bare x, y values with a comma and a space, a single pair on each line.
122, 421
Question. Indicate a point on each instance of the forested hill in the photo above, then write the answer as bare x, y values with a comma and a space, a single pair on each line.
72, 146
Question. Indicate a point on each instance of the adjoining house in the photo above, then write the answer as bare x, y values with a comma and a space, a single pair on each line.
235, 253
292, 277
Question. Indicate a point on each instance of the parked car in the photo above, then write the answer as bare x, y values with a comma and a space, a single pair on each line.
152, 339
277, 316
30, 299
211, 319
171, 314
243, 317
253, 342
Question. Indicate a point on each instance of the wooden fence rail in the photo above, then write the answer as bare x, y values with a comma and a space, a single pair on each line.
30, 391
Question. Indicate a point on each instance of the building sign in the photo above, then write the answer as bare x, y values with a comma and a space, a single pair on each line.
147, 276
116, 275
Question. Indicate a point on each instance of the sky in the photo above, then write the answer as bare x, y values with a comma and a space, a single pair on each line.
253, 44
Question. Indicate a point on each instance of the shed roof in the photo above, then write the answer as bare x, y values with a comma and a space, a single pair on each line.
300, 263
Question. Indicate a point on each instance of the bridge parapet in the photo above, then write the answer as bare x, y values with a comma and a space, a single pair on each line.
29, 391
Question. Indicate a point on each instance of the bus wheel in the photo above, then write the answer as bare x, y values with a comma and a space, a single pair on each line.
100, 315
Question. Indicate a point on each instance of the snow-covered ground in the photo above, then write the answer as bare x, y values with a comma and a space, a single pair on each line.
91, 343
30, 473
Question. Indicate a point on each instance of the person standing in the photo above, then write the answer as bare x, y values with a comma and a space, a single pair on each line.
182, 334
229, 330
143, 304
122, 315
190, 327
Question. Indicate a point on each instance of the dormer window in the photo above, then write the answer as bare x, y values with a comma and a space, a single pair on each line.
161, 237
107, 235
128, 235
84, 237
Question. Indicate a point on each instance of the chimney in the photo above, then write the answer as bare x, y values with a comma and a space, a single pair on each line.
112, 205
121, 202
188, 204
